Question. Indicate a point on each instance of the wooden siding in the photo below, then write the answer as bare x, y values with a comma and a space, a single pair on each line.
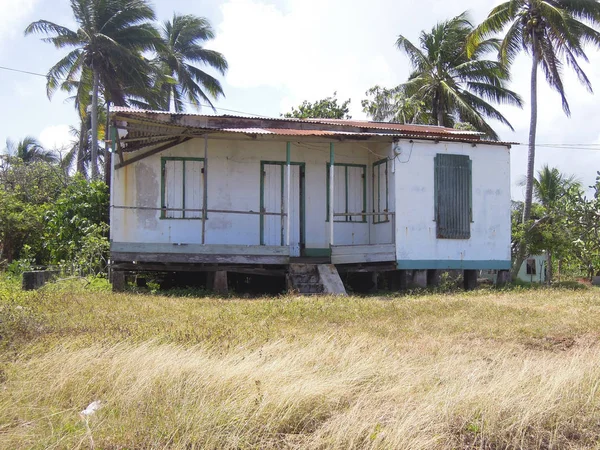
352, 254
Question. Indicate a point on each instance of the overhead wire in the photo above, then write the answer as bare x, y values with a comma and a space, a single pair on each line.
183, 101
559, 146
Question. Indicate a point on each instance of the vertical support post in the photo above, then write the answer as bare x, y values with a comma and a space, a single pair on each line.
331, 193
289, 192
205, 189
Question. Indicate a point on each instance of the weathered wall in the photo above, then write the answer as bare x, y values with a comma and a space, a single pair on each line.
417, 243
234, 184
540, 270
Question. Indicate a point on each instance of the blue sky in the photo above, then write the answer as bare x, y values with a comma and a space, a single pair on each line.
281, 52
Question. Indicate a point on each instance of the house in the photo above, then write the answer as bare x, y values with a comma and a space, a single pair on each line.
533, 269
263, 195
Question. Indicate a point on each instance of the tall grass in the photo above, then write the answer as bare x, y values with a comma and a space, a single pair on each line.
485, 370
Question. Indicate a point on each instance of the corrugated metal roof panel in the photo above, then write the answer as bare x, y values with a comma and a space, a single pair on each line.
156, 124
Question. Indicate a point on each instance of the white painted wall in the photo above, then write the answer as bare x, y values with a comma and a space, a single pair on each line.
415, 207
540, 270
234, 184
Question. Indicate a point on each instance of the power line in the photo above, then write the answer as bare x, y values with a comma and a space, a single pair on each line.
23, 71
183, 101
568, 146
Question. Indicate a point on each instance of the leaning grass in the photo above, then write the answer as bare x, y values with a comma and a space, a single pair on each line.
482, 370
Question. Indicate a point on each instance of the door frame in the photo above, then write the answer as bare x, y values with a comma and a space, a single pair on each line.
302, 193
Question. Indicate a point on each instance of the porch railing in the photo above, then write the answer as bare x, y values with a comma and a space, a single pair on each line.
391, 215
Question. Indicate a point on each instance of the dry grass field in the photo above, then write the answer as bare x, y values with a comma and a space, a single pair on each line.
482, 370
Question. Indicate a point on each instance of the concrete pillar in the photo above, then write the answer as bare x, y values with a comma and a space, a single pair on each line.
375, 280
397, 280
434, 277
470, 279
37, 278
32, 280
117, 278
419, 279
219, 282
503, 278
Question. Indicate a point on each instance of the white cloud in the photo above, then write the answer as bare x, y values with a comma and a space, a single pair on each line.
305, 55
56, 137
12, 13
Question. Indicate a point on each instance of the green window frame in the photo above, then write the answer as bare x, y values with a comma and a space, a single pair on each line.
380, 181
453, 192
189, 203
344, 184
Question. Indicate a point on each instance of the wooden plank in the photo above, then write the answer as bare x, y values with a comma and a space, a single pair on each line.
368, 268
208, 249
154, 151
187, 258
362, 249
156, 267
363, 258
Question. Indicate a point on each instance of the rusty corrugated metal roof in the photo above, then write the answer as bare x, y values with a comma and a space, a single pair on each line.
155, 125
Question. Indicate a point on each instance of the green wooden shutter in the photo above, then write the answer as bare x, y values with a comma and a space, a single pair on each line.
453, 196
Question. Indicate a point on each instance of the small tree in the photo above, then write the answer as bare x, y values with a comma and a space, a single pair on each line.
583, 218
327, 108
393, 105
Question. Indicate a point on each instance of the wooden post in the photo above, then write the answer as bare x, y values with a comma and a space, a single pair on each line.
205, 188
470, 279
434, 277
419, 279
117, 278
219, 284
331, 187
503, 277
289, 192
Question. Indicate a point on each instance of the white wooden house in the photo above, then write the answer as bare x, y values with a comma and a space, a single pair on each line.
236, 193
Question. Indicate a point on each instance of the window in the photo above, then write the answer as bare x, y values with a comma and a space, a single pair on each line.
531, 269
349, 192
453, 196
380, 191
182, 188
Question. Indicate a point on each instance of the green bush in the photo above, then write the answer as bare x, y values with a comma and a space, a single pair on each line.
76, 230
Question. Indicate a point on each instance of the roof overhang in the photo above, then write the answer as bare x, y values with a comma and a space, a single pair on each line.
139, 129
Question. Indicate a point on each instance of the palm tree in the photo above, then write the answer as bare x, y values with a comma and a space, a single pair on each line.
552, 32
457, 87
183, 37
29, 150
106, 54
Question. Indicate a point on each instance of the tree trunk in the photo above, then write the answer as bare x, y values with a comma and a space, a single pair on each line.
107, 153
522, 251
83, 130
95, 88
549, 273
532, 136
440, 111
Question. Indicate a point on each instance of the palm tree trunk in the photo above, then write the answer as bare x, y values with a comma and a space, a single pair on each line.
95, 89
440, 111
107, 153
521, 254
83, 130
532, 137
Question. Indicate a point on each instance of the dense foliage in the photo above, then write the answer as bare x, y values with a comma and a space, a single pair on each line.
50, 218
327, 108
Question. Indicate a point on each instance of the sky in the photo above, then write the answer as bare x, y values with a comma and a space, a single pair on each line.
281, 52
